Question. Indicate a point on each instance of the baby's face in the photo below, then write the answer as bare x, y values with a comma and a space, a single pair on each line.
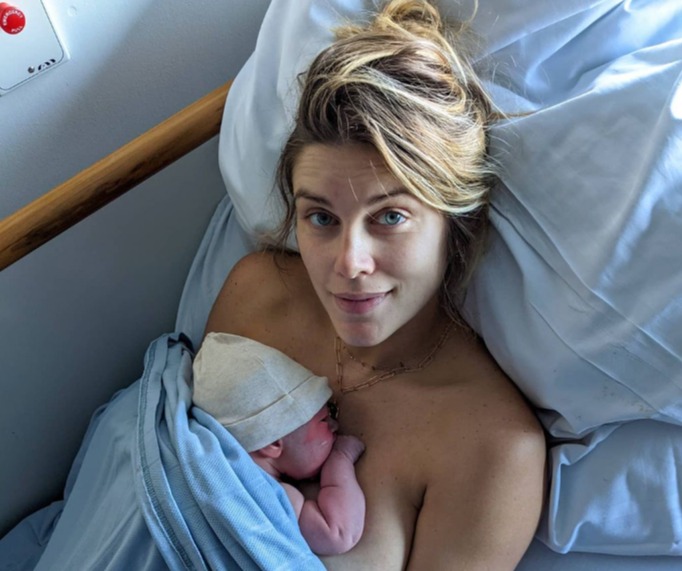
307, 447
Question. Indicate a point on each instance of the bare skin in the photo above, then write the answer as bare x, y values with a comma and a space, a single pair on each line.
454, 465
332, 520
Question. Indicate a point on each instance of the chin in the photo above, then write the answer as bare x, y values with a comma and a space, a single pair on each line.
363, 335
311, 474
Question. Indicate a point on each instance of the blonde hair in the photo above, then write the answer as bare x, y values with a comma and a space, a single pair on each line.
404, 85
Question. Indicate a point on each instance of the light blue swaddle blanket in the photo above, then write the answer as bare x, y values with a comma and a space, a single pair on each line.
160, 484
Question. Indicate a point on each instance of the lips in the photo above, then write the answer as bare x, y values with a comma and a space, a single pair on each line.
359, 304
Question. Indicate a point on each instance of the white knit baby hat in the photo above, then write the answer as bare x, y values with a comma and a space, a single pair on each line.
256, 392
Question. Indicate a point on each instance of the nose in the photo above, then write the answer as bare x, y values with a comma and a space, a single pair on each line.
354, 256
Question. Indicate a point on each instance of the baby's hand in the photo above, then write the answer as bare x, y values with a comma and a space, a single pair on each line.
349, 446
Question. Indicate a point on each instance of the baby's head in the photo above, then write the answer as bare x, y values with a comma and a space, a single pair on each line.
301, 453
268, 402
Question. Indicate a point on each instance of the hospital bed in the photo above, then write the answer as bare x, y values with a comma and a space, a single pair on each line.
578, 297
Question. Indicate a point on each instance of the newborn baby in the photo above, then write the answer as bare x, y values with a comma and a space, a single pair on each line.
277, 410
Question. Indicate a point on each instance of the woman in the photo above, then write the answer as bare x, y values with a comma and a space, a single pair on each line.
385, 178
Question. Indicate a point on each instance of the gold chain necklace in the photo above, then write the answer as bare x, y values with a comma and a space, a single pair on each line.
383, 374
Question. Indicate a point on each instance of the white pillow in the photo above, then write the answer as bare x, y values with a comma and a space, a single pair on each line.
578, 298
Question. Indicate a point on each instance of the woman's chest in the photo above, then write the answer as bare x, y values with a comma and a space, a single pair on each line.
405, 444
393, 492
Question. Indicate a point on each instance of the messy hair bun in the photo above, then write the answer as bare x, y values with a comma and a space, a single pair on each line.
403, 84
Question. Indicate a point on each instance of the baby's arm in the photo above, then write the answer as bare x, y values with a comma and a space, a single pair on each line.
333, 524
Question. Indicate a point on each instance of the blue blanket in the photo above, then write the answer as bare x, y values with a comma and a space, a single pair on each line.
159, 484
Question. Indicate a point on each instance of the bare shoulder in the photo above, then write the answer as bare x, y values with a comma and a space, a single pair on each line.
499, 405
501, 433
485, 483
295, 497
261, 286
263, 270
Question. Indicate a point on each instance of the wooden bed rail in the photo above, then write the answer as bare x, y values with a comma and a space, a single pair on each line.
111, 177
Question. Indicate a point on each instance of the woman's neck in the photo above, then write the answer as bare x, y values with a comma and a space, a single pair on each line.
408, 345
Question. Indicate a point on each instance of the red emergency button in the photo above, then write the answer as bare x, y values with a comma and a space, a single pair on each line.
12, 20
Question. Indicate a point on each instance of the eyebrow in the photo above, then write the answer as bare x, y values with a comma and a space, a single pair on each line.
304, 193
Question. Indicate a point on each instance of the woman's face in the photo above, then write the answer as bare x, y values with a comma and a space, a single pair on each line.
375, 254
307, 447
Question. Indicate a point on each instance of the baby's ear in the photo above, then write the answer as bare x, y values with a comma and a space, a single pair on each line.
273, 450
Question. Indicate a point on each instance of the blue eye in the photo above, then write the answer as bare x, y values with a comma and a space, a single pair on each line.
321, 219
391, 218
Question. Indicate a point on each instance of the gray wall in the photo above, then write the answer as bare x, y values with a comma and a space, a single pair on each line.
77, 315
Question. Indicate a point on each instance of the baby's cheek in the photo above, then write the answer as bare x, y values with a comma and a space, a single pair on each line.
317, 433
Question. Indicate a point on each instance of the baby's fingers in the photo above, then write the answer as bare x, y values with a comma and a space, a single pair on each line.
350, 446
